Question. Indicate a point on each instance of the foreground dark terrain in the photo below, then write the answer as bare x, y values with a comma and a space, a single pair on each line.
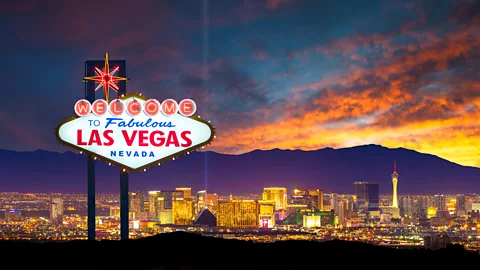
190, 251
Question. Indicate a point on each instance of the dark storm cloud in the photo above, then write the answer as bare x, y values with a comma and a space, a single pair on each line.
233, 98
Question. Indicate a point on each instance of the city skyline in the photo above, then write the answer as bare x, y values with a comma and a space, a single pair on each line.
420, 220
272, 214
269, 74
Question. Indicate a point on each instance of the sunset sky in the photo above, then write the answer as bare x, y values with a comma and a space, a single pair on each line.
286, 74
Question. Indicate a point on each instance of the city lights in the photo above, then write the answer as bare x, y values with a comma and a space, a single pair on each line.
254, 217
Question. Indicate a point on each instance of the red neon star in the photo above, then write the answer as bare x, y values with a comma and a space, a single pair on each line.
105, 78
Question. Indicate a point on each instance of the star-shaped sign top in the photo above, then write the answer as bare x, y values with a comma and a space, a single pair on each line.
106, 78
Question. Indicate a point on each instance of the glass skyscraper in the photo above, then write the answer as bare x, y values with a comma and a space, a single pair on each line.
367, 196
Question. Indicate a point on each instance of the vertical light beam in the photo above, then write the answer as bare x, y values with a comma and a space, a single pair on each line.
205, 77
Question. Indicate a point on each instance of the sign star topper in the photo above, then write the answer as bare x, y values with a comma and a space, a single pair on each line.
106, 78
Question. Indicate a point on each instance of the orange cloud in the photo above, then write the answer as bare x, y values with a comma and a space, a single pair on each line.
389, 104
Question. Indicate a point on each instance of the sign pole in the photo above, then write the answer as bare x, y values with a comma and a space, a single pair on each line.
90, 96
124, 228
91, 197
124, 205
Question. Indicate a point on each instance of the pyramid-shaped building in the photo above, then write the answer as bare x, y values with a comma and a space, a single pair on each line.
206, 218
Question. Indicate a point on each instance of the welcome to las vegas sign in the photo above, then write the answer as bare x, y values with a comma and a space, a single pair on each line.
134, 132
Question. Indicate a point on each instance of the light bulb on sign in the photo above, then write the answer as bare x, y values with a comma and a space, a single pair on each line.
95, 126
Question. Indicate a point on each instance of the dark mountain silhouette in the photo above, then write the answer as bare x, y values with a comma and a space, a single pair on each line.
182, 250
333, 170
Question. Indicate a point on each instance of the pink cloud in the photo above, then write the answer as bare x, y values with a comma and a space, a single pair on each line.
273, 4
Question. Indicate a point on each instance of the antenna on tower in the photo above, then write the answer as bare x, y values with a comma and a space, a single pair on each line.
395, 166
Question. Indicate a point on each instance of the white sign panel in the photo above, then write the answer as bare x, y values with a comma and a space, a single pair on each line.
135, 133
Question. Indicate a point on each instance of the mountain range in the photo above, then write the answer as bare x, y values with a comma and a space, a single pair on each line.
332, 170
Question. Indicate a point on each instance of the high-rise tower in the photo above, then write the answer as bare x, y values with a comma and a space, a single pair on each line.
367, 196
395, 181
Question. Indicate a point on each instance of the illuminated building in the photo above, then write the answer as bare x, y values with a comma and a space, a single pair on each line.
439, 202
394, 212
182, 211
266, 214
326, 217
395, 182
206, 200
408, 206
187, 192
13, 215
385, 218
298, 191
206, 218
476, 206
114, 211
169, 196
349, 203
293, 208
342, 208
451, 206
431, 212
56, 210
237, 214
135, 202
313, 198
334, 202
276, 194
201, 200
311, 221
154, 204
301, 200
367, 196
136, 225
146, 206
317, 195
166, 216
148, 225
460, 206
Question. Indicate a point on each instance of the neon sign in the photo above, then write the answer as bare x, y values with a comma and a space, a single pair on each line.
135, 132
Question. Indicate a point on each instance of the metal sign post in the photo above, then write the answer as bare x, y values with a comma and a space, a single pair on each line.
90, 96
